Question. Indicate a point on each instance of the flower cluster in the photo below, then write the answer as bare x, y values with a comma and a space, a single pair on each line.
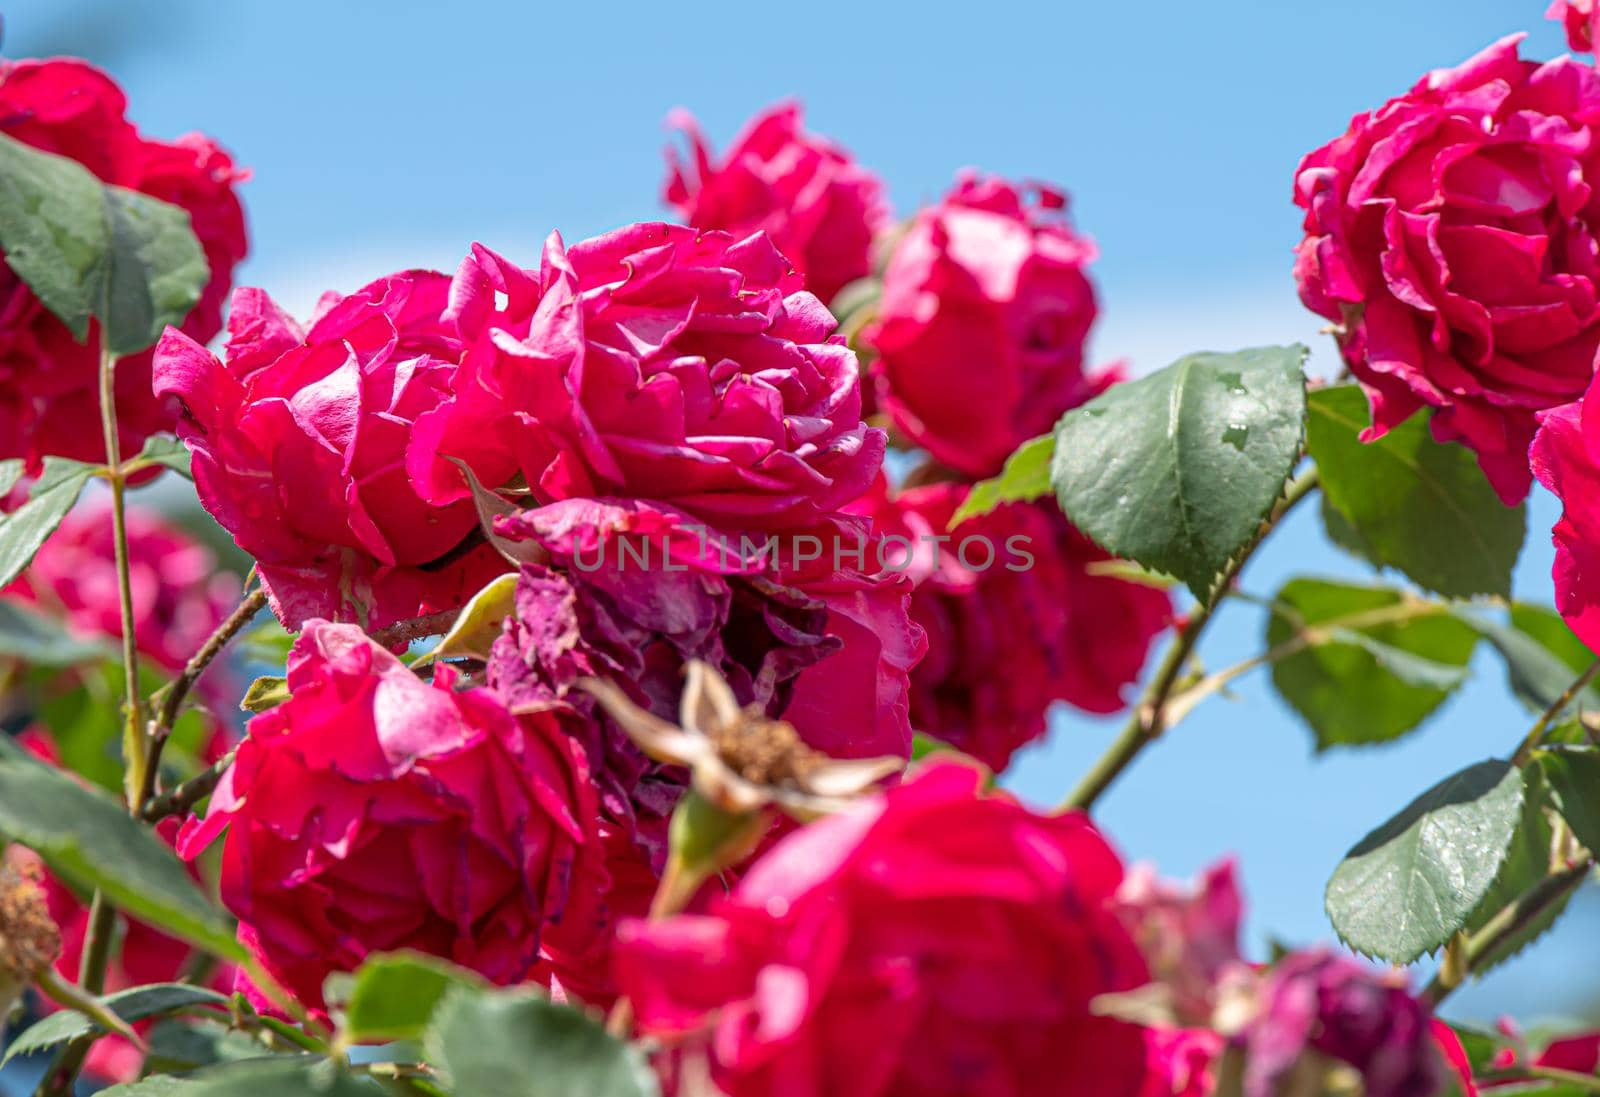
49, 402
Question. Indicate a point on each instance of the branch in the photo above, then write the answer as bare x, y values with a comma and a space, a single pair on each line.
1151, 716
1535, 736
180, 799
406, 631
177, 691
1511, 920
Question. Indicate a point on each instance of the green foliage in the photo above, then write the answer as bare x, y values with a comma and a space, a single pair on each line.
165, 451
89, 840
1404, 889
393, 996
480, 621
1410, 503
1574, 777
265, 693
1177, 470
1376, 661
1527, 862
519, 1044
1026, 477
42, 641
185, 1044
26, 528
134, 1004
279, 1076
89, 250
1541, 654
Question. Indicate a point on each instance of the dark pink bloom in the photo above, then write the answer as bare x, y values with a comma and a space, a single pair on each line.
654, 362
980, 334
299, 440
373, 811
1578, 18
820, 208
179, 594
1327, 1003
1450, 234
1189, 935
49, 400
1566, 459
1015, 617
1182, 1062
933, 940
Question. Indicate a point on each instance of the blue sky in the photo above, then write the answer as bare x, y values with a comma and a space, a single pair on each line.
387, 135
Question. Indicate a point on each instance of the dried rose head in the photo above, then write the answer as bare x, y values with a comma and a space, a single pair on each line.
740, 759
29, 940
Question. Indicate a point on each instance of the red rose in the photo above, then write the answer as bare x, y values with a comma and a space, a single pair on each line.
1451, 236
1566, 459
1015, 618
820, 208
1579, 18
373, 811
49, 398
980, 334
654, 362
299, 442
933, 940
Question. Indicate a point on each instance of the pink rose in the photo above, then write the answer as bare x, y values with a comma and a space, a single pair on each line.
49, 398
1579, 18
933, 940
980, 334
299, 442
1566, 459
373, 811
1189, 935
820, 208
654, 362
1182, 1062
1450, 235
179, 594
1021, 624
1327, 1003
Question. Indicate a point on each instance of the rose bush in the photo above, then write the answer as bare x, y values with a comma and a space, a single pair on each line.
49, 399
1566, 459
659, 363
819, 207
373, 811
980, 334
1451, 236
299, 439
933, 941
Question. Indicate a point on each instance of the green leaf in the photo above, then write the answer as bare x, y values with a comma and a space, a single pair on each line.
89, 840
1411, 503
30, 525
518, 1044
480, 621
11, 471
1574, 777
1177, 470
89, 250
166, 451
278, 1076
134, 1004
43, 642
181, 1044
1025, 477
265, 693
1539, 662
1527, 862
1406, 887
393, 996
1371, 681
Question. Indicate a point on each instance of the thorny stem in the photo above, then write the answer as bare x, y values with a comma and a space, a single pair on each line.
1535, 736
1506, 924
180, 798
1152, 715
59, 1079
175, 693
